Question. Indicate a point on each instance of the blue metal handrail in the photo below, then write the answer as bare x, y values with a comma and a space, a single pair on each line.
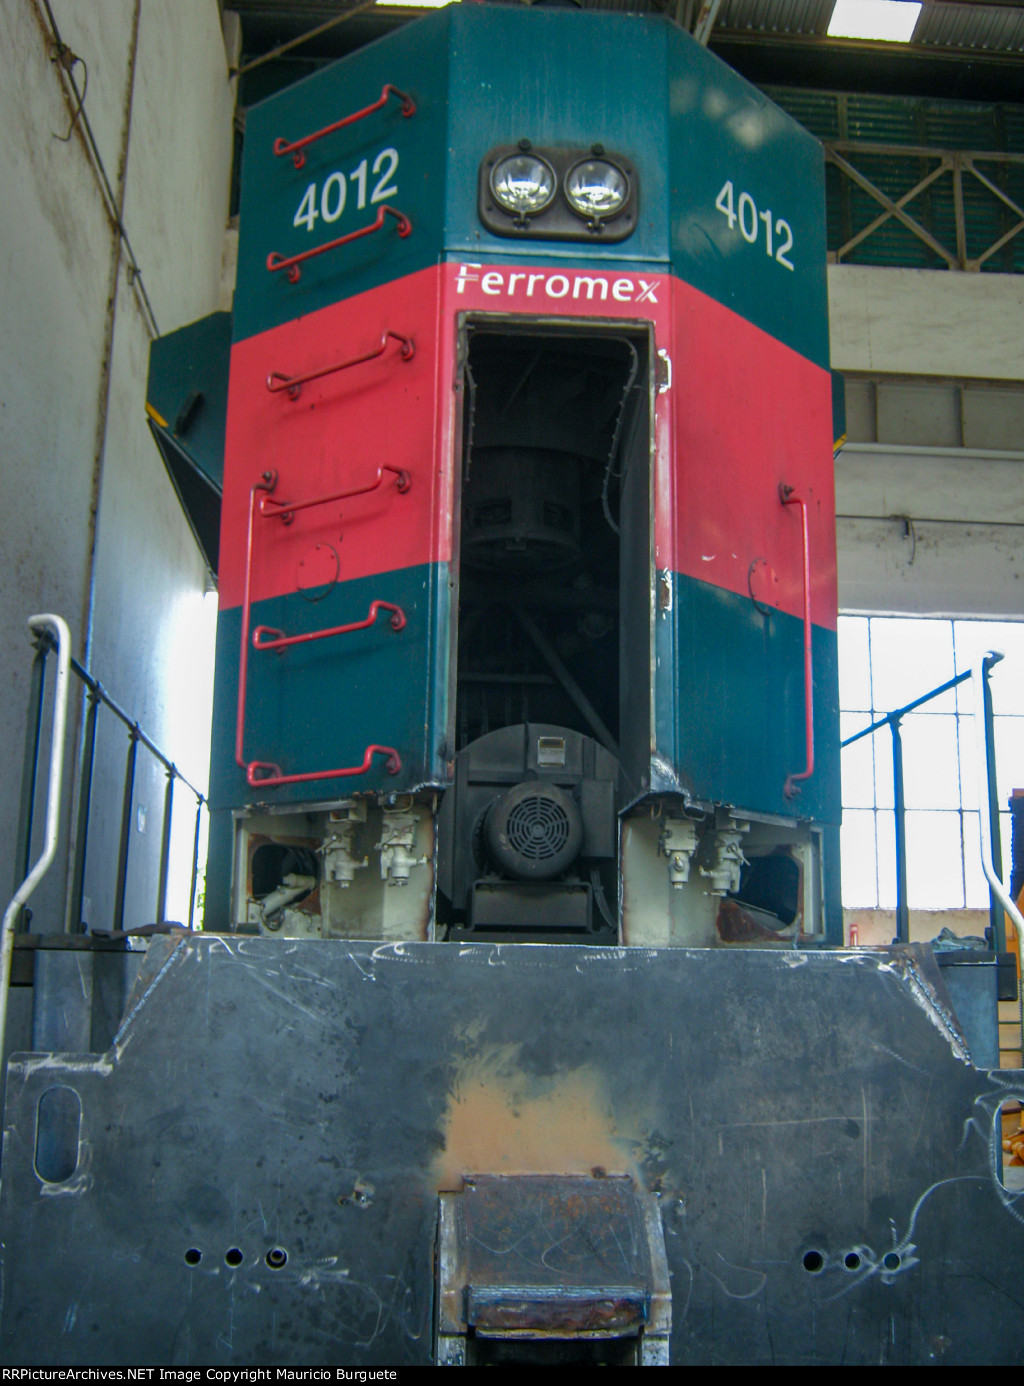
892, 721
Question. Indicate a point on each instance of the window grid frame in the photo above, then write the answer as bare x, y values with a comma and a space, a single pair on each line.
962, 716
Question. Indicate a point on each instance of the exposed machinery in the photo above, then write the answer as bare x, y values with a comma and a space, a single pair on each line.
526, 637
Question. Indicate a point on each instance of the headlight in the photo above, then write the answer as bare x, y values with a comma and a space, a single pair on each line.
523, 184
558, 192
596, 189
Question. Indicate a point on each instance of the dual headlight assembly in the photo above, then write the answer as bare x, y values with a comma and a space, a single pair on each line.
557, 194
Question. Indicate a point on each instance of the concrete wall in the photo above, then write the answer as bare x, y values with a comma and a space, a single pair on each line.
94, 531
926, 322
930, 488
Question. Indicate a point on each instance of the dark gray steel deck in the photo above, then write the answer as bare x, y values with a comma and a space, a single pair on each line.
312, 1098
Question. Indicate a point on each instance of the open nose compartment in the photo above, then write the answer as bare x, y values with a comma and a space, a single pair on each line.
553, 625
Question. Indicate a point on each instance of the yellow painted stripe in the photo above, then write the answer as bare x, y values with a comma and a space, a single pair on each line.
155, 416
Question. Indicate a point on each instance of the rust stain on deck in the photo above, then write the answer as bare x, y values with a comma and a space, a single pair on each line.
502, 1120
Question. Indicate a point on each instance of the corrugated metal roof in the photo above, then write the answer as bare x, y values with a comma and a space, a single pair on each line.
796, 28
776, 16
993, 28
997, 29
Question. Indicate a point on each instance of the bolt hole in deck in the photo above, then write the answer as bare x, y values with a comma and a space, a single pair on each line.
233, 1257
814, 1261
277, 1257
193, 1256
58, 1121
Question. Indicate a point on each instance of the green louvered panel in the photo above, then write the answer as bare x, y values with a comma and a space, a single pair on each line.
1013, 126
928, 124
960, 125
819, 111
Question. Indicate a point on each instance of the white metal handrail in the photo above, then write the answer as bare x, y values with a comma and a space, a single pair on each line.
59, 628
980, 673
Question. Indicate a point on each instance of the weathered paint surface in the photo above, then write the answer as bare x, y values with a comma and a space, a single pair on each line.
502, 1118
730, 702
716, 505
317, 706
305, 1119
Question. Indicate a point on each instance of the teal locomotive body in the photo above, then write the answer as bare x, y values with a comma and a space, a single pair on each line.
529, 426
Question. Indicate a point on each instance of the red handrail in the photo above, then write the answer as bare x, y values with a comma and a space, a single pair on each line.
276, 381
256, 780
791, 789
281, 146
281, 641
266, 483
286, 510
292, 262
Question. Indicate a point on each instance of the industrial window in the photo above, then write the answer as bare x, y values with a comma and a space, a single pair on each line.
884, 663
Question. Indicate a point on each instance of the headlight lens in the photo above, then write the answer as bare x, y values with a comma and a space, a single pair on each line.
523, 184
596, 188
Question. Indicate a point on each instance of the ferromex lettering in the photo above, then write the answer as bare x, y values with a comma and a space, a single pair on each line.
534, 284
